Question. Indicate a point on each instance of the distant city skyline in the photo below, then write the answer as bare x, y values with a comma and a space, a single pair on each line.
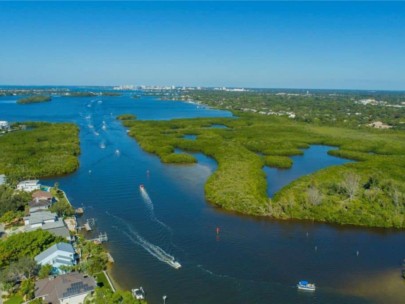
316, 45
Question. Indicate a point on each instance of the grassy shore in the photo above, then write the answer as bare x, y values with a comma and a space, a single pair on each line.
369, 192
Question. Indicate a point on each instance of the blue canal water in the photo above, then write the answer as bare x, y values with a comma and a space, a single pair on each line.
314, 158
252, 260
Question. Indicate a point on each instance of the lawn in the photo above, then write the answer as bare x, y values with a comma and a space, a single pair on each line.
102, 280
16, 299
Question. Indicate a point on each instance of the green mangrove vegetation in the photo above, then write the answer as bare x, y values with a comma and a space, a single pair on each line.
369, 192
11, 201
126, 117
41, 150
34, 99
27, 244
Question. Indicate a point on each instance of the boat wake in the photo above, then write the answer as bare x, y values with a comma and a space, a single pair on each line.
152, 249
146, 198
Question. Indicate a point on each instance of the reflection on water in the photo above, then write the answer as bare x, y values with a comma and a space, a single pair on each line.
381, 287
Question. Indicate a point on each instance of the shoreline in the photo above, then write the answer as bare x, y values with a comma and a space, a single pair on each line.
115, 285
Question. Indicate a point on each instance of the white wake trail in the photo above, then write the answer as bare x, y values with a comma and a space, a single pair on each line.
152, 249
146, 198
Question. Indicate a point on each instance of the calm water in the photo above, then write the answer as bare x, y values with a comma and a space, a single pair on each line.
315, 158
253, 260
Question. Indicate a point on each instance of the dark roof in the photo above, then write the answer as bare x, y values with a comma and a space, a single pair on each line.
39, 203
64, 286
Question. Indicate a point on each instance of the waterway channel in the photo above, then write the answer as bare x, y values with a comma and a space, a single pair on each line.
252, 260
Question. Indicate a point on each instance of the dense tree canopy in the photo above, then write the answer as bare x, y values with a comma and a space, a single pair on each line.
11, 200
27, 244
44, 149
252, 141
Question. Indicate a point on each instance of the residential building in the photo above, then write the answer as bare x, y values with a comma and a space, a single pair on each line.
46, 220
39, 219
42, 195
4, 125
39, 205
70, 288
61, 254
28, 185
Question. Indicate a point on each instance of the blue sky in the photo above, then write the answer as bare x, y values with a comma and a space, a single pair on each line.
347, 45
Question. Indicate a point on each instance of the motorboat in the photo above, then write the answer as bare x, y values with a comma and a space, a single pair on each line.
175, 264
304, 285
138, 293
141, 187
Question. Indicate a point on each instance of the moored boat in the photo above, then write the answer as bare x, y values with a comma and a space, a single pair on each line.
304, 285
138, 293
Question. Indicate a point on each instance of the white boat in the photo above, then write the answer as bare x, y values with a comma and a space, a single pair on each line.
175, 264
138, 293
304, 285
141, 187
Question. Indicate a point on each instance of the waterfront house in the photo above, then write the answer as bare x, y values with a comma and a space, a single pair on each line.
42, 200
46, 220
4, 125
42, 195
61, 254
70, 288
28, 185
39, 219
39, 205
2, 179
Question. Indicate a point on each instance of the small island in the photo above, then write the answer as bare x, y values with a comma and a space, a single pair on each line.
34, 99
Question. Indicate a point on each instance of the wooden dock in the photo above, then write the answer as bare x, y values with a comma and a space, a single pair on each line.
102, 237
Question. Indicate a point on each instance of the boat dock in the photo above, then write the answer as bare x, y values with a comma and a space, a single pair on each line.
88, 225
102, 237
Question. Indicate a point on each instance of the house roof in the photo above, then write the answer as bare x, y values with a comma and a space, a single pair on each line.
30, 181
39, 217
64, 286
62, 247
57, 228
59, 231
41, 194
38, 203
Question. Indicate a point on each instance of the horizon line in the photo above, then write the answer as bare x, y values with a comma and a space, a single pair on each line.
203, 87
